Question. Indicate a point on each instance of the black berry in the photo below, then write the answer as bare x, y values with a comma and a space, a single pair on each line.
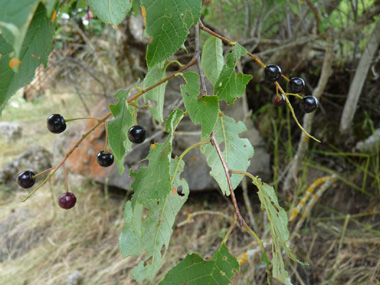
104, 159
278, 100
296, 85
56, 123
309, 104
272, 72
136, 134
25, 179
67, 200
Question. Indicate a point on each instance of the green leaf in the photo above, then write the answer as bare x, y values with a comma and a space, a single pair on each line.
194, 270
16, 17
148, 226
117, 128
173, 120
238, 52
294, 8
111, 11
237, 152
153, 182
168, 23
280, 234
212, 58
202, 111
229, 84
36, 46
155, 74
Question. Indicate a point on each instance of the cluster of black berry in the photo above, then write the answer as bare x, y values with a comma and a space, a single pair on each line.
308, 103
57, 124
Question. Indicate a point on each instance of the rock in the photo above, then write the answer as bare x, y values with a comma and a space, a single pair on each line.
74, 278
10, 131
36, 159
371, 144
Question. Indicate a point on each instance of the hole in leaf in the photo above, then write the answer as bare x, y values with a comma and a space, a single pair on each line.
158, 203
180, 191
148, 261
163, 250
221, 145
152, 104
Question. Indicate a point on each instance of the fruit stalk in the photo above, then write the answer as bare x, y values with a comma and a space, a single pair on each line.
101, 121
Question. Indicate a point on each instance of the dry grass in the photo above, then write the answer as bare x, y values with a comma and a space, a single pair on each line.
45, 244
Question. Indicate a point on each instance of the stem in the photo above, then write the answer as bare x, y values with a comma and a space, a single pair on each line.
100, 121
293, 94
278, 86
198, 57
229, 230
255, 236
228, 173
203, 27
283, 76
38, 174
106, 140
66, 183
69, 153
299, 125
84, 118
255, 58
191, 63
254, 179
174, 61
203, 212
183, 154
258, 60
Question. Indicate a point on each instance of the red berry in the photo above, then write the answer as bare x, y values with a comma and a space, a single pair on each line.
278, 100
67, 200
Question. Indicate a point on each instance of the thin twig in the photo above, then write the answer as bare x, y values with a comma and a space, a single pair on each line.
203, 212
66, 182
255, 58
203, 27
198, 57
191, 63
228, 173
